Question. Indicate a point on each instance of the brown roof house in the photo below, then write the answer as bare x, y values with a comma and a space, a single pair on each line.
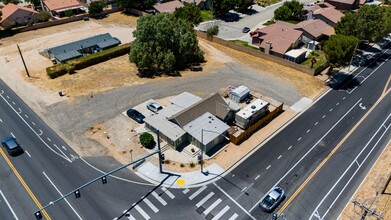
202, 4
315, 30
344, 4
17, 15
277, 39
58, 7
325, 12
167, 7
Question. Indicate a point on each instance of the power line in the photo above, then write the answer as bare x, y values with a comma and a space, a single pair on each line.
367, 210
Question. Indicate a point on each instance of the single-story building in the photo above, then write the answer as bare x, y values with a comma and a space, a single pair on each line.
251, 113
18, 15
239, 94
314, 30
344, 4
323, 11
167, 7
206, 131
202, 4
58, 7
296, 55
79, 48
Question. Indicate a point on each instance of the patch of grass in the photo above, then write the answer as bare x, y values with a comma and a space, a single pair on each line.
269, 22
265, 3
243, 43
206, 15
320, 60
293, 21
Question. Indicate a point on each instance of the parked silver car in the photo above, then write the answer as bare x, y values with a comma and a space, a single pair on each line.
271, 200
154, 106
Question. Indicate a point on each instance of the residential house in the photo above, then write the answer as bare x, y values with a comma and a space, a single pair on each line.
314, 30
58, 7
344, 4
167, 7
18, 15
202, 4
323, 11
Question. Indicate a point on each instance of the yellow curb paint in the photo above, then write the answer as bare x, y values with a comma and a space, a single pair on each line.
37, 203
180, 182
309, 178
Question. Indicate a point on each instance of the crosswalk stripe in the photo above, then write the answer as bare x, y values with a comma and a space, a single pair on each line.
168, 193
210, 208
205, 199
196, 193
233, 217
160, 199
141, 211
186, 191
221, 213
149, 203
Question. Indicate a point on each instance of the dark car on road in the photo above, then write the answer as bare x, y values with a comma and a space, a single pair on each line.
12, 147
271, 200
246, 30
135, 115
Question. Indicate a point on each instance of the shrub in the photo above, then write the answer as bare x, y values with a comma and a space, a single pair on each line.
56, 71
182, 165
192, 164
146, 139
7, 24
68, 13
44, 16
96, 7
167, 161
212, 31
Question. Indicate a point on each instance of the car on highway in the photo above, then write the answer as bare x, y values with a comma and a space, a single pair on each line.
154, 107
135, 115
12, 146
271, 200
246, 30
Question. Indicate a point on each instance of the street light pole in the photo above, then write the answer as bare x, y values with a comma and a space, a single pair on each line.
354, 51
203, 148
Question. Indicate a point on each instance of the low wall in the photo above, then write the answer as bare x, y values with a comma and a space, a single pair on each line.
256, 53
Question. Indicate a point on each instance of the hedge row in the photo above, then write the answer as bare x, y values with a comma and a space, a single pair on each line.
89, 60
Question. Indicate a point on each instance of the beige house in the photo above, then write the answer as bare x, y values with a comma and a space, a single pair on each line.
18, 15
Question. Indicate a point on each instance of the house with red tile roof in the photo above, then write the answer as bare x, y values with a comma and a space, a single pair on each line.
58, 7
18, 15
344, 4
314, 30
325, 12
167, 7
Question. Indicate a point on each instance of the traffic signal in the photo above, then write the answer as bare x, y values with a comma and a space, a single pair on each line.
104, 180
162, 158
77, 194
38, 215
274, 216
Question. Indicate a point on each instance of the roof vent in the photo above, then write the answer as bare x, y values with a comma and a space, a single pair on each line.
253, 106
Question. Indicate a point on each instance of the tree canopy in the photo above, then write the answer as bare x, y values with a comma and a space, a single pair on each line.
339, 49
370, 23
34, 2
138, 4
164, 43
191, 13
222, 7
96, 7
10, 1
290, 10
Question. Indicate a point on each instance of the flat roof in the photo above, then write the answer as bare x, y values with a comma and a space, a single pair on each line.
169, 129
212, 126
252, 108
295, 53
185, 99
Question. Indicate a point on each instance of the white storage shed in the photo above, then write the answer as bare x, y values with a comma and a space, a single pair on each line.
239, 94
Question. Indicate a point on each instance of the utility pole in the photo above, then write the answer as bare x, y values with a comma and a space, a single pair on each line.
367, 210
25, 67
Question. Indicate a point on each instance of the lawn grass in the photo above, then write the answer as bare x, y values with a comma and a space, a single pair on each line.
244, 43
320, 60
206, 15
265, 3
269, 22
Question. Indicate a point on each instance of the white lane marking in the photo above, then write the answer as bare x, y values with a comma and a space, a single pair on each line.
13, 103
77, 214
168, 193
233, 175
27, 153
344, 98
310, 150
234, 201
9, 206
279, 157
196, 193
233, 217
323, 116
1, 120
41, 132
20, 111
49, 139
221, 213
257, 177
32, 123
211, 207
152, 206
63, 147
289, 147
358, 164
38, 135
186, 191
8, 97
141, 211
244, 188
203, 200
358, 155
337, 103
12, 134
158, 198
299, 139
268, 167
26, 116
316, 123
331, 110
308, 130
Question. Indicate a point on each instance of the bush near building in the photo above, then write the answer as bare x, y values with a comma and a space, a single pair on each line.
146, 139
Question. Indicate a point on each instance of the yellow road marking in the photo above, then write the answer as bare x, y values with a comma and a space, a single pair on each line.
24, 184
385, 87
309, 178
180, 182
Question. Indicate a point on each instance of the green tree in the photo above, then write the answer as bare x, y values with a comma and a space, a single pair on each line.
10, 1
44, 16
214, 30
222, 7
242, 5
146, 139
1, 14
34, 2
164, 43
290, 10
370, 23
339, 49
96, 7
137, 4
191, 13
